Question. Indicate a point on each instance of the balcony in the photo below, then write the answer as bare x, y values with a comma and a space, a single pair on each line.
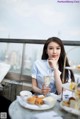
21, 54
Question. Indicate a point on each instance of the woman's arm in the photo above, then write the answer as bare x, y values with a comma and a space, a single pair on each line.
54, 64
44, 90
58, 81
35, 87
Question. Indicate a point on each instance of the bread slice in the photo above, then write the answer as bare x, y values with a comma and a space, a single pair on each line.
72, 102
35, 100
31, 99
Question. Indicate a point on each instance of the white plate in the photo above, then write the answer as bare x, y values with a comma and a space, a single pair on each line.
25, 93
57, 97
72, 68
34, 107
70, 110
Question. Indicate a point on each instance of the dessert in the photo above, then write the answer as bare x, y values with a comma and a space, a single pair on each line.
39, 101
35, 100
72, 102
66, 103
72, 86
77, 91
31, 99
78, 66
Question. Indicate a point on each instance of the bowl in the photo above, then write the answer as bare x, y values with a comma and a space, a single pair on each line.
25, 93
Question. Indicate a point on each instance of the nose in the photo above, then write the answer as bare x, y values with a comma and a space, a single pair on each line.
54, 50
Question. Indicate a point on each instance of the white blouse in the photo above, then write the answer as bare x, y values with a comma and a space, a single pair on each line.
40, 69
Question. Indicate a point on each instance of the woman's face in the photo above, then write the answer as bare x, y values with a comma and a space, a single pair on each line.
53, 50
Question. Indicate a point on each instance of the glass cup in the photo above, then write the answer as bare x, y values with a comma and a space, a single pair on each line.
46, 84
46, 81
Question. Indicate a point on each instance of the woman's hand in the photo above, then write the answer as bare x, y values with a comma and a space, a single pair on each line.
53, 62
45, 89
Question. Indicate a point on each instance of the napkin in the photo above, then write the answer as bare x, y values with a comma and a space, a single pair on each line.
47, 115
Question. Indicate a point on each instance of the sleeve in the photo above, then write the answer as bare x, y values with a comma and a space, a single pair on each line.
34, 71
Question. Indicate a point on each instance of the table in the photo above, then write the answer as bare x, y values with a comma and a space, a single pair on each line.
16, 111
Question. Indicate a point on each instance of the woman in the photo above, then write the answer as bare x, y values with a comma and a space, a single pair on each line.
51, 64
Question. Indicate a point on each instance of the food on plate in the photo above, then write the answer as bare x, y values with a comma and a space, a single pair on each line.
49, 100
72, 86
75, 104
41, 96
72, 103
78, 66
64, 103
31, 99
66, 100
38, 100
71, 98
77, 91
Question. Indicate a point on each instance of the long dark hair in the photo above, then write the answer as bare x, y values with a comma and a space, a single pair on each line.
61, 59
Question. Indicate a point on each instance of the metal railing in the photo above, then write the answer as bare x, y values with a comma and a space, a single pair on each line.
37, 41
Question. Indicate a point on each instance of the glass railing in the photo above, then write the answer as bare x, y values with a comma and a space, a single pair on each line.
21, 54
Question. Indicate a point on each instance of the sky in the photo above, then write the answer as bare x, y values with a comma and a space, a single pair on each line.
40, 19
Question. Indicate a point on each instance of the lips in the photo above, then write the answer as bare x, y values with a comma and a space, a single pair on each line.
54, 56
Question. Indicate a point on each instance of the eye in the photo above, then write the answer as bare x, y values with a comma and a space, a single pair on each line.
58, 48
50, 48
